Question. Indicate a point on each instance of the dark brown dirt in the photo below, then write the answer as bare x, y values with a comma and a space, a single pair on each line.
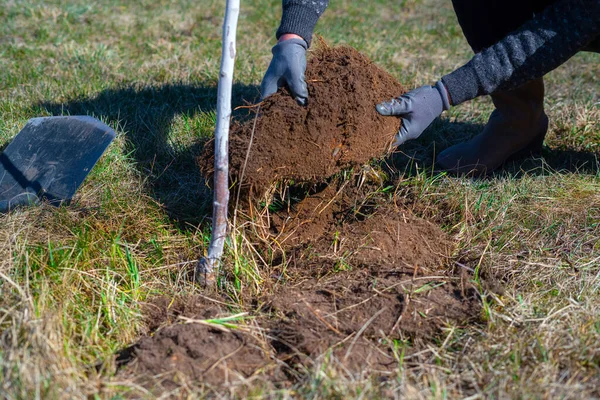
362, 273
355, 317
356, 283
189, 350
359, 313
359, 275
338, 129
343, 226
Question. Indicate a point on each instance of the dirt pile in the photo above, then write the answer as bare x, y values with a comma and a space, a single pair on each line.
363, 274
357, 319
353, 227
354, 277
180, 350
339, 128
361, 279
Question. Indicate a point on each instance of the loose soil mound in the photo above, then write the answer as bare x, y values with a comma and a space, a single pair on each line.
338, 225
339, 128
354, 317
353, 275
366, 273
359, 314
191, 351
360, 278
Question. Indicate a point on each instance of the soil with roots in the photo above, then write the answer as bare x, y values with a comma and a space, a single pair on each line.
352, 279
338, 129
361, 277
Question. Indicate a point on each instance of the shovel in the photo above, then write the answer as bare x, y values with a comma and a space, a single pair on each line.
49, 159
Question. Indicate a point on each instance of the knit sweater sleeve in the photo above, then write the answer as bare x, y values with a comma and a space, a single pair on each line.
536, 48
300, 17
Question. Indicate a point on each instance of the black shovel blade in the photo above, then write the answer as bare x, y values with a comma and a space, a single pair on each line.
50, 158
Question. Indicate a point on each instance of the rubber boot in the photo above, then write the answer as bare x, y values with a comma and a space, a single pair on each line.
516, 128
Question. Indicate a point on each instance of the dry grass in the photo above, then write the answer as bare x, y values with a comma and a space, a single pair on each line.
72, 279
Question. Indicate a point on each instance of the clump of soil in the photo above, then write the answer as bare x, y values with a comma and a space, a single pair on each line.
357, 275
339, 224
199, 353
357, 314
339, 128
192, 351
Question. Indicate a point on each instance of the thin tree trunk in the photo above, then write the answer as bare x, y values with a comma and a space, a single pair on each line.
209, 264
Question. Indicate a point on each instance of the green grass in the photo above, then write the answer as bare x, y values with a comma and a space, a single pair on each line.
72, 279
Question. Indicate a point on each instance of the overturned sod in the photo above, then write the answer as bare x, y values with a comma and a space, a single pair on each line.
354, 279
338, 129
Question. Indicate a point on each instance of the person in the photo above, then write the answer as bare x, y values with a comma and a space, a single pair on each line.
516, 42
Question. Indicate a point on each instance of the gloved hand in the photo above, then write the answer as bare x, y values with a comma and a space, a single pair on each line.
287, 68
417, 108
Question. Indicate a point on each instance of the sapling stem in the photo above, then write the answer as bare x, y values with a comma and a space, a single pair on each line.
209, 264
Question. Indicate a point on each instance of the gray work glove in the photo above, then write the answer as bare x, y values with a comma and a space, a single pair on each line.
287, 68
417, 108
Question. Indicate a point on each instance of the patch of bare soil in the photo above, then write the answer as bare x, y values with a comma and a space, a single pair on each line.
363, 274
357, 284
339, 128
355, 318
358, 277
357, 315
187, 347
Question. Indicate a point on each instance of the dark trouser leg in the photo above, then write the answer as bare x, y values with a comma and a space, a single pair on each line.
593, 46
518, 125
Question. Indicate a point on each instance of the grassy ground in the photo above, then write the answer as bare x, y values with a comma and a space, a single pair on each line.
72, 279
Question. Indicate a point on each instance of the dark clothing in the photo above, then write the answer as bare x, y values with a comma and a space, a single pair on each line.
486, 22
508, 58
300, 17
515, 41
